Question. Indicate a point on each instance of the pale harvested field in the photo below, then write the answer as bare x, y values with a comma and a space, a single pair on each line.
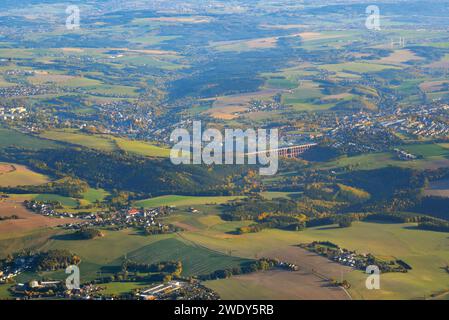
197, 19
283, 26
431, 86
398, 57
145, 51
308, 262
336, 96
28, 221
442, 64
308, 36
251, 44
5, 168
12, 175
277, 285
225, 107
77, 50
269, 42
438, 188
46, 78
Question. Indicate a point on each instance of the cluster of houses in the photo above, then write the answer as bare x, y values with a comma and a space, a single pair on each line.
18, 266
177, 290
13, 113
337, 254
46, 209
122, 219
259, 105
20, 91
288, 266
159, 291
353, 259
405, 156
422, 121
35, 289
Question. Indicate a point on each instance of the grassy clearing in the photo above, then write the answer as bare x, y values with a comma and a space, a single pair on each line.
17, 175
357, 67
92, 195
4, 293
142, 148
74, 137
196, 260
434, 159
12, 138
65, 201
427, 150
105, 255
425, 251
175, 200
118, 288
275, 285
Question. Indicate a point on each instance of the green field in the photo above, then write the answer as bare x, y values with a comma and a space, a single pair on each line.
20, 176
104, 255
142, 148
92, 195
4, 293
174, 200
65, 201
427, 150
207, 248
425, 251
434, 156
118, 288
357, 67
196, 260
77, 138
13, 138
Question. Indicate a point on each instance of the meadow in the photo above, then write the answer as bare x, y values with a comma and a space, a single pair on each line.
432, 156
18, 175
106, 143
77, 138
425, 251
208, 243
13, 138
142, 148
177, 200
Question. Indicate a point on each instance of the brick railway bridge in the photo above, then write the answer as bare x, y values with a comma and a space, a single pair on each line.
288, 152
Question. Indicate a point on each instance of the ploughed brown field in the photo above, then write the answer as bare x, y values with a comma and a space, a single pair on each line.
311, 282
438, 188
5, 168
27, 221
277, 285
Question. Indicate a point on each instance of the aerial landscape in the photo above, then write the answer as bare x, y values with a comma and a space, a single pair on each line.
104, 194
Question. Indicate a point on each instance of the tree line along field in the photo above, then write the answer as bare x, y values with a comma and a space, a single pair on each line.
56, 139
432, 156
207, 238
177, 200
425, 251
106, 143
104, 256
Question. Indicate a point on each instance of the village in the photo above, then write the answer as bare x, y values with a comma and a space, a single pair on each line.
359, 261
147, 220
